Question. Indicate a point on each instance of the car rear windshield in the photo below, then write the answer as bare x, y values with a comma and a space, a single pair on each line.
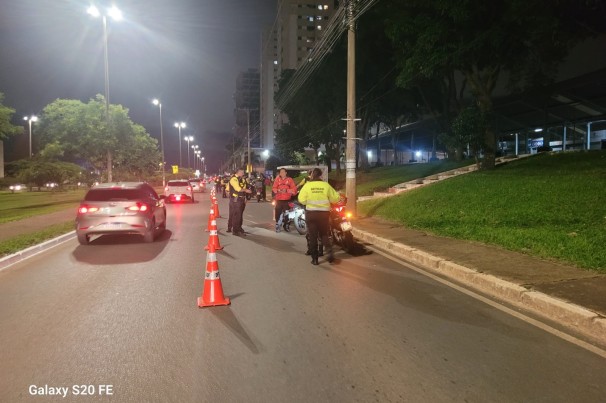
178, 183
113, 194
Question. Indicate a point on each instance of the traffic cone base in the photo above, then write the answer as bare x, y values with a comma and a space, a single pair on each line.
212, 295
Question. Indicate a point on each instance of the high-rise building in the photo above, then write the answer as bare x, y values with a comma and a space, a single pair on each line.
286, 45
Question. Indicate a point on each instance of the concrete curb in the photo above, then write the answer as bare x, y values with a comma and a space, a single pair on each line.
34, 250
577, 318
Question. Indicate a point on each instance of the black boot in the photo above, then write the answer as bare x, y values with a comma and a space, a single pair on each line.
314, 260
331, 256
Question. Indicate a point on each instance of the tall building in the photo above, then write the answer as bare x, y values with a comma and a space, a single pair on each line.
286, 45
247, 110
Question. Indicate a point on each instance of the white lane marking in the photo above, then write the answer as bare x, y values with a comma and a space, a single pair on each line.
569, 338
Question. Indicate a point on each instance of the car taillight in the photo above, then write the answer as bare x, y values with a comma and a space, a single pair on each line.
138, 207
87, 209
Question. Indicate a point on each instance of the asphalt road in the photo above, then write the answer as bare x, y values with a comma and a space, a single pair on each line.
124, 313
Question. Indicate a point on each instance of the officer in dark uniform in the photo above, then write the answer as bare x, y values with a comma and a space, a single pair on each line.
237, 202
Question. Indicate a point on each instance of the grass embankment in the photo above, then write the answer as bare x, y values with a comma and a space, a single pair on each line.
24, 241
551, 206
381, 178
18, 206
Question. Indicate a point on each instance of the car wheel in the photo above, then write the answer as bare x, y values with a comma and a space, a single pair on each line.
163, 225
148, 237
83, 239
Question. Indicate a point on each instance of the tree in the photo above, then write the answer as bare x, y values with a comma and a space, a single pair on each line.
80, 131
6, 114
39, 172
480, 40
467, 129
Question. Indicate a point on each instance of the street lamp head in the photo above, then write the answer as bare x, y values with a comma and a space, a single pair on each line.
115, 13
180, 125
156, 102
94, 11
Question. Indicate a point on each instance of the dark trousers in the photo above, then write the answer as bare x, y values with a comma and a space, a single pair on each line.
318, 227
281, 206
236, 212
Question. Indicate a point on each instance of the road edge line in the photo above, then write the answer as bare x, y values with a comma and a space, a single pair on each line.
572, 316
17, 257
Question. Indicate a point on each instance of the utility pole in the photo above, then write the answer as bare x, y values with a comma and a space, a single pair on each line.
350, 152
248, 163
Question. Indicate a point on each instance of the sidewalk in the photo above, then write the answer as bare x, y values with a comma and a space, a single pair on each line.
572, 297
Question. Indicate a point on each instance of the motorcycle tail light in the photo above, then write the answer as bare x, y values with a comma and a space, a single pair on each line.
339, 209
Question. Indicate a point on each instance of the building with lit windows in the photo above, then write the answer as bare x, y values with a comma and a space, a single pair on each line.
286, 45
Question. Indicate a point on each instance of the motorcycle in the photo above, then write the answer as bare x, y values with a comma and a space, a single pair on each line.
259, 190
340, 225
294, 215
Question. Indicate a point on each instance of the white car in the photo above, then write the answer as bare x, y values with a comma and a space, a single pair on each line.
178, 191
195, 185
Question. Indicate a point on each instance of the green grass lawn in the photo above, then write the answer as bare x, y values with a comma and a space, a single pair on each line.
551, 206
17, 206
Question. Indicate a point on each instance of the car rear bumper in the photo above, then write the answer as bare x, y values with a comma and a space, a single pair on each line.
113, 225
179, 198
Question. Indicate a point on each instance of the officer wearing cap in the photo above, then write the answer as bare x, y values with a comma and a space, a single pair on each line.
237, 202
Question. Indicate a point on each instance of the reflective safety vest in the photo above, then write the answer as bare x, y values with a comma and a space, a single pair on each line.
237, 186
317, 196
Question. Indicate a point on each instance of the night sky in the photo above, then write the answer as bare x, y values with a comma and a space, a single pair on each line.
187, 53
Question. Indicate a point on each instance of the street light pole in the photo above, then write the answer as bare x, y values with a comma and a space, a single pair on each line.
116, 14
159, 104
30, 119
180, 125
188, 139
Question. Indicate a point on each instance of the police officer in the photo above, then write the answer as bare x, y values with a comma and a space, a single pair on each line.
317, 195
237, 202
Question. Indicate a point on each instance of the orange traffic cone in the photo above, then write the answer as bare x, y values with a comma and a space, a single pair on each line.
213, 239
212, 295
215, 204
211, 217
